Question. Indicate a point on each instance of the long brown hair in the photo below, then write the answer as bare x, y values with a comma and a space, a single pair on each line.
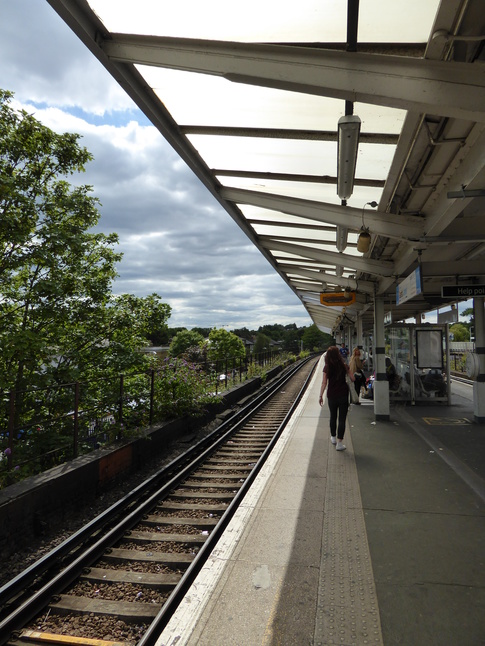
334, 364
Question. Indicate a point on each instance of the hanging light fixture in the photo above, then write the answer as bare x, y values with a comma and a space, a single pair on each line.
363, 241
347, 148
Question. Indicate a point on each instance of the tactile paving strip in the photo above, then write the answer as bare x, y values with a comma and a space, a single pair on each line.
347, 609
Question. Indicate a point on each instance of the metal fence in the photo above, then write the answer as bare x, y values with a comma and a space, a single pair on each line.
458, 361
43, 427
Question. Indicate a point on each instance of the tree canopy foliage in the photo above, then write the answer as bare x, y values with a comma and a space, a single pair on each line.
184, 340
223, 344
460, 332
315, 339
288, 338
262, 343
58, 318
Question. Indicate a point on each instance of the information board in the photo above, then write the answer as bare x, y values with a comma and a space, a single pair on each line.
409, 288
429, 349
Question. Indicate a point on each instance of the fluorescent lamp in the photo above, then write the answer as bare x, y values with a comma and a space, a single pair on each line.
342, 233
347, 148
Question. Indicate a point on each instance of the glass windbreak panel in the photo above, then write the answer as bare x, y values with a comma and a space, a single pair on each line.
251, 20
430, 351
408, 21
416, 357
398, 359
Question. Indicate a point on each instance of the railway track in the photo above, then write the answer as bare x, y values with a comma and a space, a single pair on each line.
461, 377
120, 578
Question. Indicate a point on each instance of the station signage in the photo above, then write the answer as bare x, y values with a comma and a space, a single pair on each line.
451, 316
337, 299
409, 288
462, 291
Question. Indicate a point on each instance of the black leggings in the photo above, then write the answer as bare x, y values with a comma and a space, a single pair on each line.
359, 381
338, 408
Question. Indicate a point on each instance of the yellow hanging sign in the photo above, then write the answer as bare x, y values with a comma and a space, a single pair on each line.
337, 299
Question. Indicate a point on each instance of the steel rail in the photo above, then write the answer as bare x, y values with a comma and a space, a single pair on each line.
55, 558
29, 608
461, 379
162, 618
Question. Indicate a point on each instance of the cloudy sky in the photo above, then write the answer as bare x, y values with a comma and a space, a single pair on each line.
175, 238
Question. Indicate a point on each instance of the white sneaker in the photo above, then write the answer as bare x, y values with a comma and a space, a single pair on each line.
333, 439
340, 446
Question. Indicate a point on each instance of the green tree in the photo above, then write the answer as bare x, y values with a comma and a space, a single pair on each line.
275, 332
460, 332
315, 339
224, 345
58, 319
184, 340
470, 324
173, 331
204, 331
291, 340
127, 321
158, 335
53, 272
244, 333
262, 343
469, 311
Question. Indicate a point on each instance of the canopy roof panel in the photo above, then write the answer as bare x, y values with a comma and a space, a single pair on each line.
250, 96
307, 21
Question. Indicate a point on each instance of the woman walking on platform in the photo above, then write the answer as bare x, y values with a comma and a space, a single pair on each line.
334, 373
357, 369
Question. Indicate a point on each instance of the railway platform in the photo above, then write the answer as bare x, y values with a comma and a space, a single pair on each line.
382, 544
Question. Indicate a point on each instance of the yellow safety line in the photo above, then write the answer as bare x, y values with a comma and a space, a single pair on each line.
51, 638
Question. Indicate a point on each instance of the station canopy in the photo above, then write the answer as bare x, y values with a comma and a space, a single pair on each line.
346, 140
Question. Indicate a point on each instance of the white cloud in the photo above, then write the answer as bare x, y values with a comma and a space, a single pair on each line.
175, 238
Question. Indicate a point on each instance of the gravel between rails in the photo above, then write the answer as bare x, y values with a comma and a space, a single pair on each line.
63, 526
91, 627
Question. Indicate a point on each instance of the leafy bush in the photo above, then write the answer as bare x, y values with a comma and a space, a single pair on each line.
181, 388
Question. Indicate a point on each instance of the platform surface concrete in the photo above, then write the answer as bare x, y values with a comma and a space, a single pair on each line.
383, 543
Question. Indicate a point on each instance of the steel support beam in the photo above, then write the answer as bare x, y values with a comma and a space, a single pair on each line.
286, 133
399, 227
365, 265
362, 286
448, 89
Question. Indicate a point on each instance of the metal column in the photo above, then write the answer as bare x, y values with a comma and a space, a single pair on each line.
479, 384
359, 332
381, 384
